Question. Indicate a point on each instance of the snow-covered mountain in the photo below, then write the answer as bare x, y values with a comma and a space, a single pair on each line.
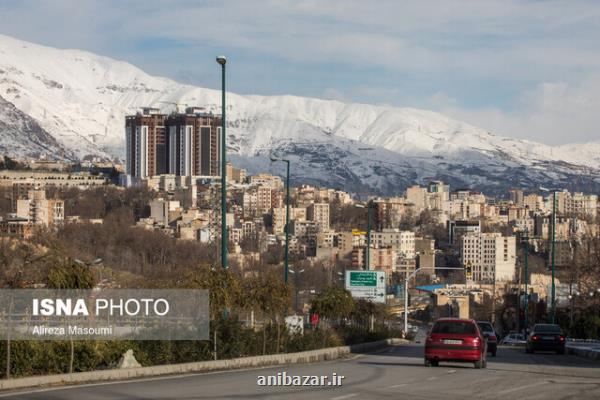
22, 135
81, 99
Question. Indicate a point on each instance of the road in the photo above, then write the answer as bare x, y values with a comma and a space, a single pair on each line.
393, 373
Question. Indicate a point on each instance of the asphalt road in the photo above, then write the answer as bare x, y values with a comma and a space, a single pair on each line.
393, 373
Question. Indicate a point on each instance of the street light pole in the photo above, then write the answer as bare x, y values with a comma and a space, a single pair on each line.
552, 315
287, 217
224, 239
553, 299
526, 280
368, 255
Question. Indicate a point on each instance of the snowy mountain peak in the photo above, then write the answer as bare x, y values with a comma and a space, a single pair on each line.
81, 99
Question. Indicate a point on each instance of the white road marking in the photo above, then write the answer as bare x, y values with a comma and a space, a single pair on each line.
431, 378
397, 386
346, 396
452, 371
515, 389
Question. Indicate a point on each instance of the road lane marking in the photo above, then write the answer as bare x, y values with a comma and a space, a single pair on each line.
346, 396
431, 378
515, 389
452, 371
397, 386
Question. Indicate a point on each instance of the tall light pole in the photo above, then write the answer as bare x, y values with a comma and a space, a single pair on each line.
287, 217
526, 280
553, 292
368, 252
224, 239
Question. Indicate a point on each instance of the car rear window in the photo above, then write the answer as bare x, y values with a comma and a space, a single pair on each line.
485, 326
455, 327
549, 328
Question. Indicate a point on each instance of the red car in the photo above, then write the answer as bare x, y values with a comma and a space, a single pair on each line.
455, 339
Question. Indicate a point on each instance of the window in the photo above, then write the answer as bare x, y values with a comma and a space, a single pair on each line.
454, 327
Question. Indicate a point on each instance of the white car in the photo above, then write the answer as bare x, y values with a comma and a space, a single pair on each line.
514, 339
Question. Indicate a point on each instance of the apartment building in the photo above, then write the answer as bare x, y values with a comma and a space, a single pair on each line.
145, 140
319, 214
491, 256
39, 210
401, 241
181, 144
460, 228
267, 180
278, 215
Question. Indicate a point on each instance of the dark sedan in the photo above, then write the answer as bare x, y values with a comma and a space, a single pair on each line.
546, 337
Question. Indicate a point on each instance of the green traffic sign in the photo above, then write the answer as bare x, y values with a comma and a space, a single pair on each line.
367, 278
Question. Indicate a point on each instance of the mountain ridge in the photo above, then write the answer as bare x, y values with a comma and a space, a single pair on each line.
81, 98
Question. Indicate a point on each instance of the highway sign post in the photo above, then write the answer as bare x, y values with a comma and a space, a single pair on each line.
368, 285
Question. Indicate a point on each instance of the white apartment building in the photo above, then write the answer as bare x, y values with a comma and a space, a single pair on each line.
401, 241
491, 256
582, 205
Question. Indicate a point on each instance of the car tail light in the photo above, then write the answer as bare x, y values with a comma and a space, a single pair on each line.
561, 338
535, 337
476, 341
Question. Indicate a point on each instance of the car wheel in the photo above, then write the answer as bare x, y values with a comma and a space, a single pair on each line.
494, 353
561, 351
528, 350
435, 363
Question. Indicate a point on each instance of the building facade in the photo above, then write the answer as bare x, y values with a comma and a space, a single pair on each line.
179, 144
490, 256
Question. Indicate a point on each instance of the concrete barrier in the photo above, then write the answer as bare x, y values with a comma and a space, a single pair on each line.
330, 353
584, 350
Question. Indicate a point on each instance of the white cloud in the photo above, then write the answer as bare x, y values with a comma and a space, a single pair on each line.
450, 52
553, 113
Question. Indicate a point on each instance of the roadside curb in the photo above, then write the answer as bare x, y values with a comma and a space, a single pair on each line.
587, 352
310, 356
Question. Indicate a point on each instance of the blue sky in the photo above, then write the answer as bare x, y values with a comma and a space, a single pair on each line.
527, 69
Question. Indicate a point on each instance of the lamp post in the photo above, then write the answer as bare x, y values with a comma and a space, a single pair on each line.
224, 239
553, 290
368, 252
526, 280
287, 216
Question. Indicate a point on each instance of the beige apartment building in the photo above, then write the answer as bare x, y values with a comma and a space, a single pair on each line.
401, 241
278, 214
39, 210
319, 213
491, 256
